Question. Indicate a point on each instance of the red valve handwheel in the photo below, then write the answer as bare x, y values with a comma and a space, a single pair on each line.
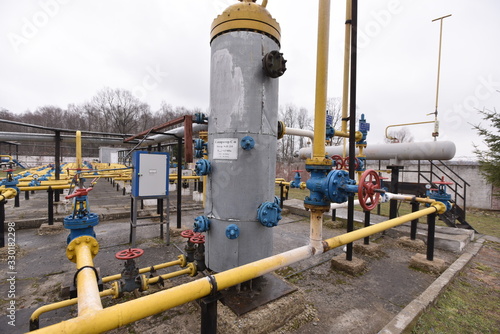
187, 234
368, 183
197, 239
128, 254
79, 192
442, 181
339, 162
346, 163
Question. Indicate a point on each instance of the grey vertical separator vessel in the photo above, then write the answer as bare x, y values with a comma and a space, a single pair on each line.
242, 134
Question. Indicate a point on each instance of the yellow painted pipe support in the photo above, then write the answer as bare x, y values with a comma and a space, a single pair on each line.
344, 239
82, 250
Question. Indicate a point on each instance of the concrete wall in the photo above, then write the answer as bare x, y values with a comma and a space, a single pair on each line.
478, 195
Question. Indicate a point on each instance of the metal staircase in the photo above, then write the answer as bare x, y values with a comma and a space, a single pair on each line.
456, 217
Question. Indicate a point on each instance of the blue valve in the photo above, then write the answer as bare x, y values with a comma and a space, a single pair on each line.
232, 231
296, 181
201, 224
440, 193
247, 143
269, 214
364, 127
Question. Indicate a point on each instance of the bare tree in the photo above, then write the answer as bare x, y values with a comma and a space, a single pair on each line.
400, 136
115, 110
334, 109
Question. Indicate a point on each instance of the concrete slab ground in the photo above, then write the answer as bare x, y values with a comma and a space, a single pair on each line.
330, 301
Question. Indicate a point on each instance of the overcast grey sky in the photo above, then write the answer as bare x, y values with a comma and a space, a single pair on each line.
57, 52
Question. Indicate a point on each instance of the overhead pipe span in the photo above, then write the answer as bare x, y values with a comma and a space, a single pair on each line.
45, 137
169, 135
435, 150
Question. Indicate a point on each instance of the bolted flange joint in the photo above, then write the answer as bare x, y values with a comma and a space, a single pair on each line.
269, 214
203, 167
201, 224
247, 143
232, 231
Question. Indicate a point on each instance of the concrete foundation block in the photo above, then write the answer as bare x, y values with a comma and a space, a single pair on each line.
354, 267
416, 245
372, 250
420, 262
265, 319
46, 229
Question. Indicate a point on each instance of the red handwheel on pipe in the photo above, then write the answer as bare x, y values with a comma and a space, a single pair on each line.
369, 183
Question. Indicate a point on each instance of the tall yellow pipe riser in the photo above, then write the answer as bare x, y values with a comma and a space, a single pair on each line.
349, 237
78, 149
347, 61
82, 251
321, 80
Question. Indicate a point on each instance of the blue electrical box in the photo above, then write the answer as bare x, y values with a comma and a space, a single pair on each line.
150, 174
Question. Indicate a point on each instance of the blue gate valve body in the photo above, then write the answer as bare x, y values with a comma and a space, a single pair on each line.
296, 181
201, 224
247, 143
440, 194
364, 127
269, 214
232, 231
82, 221
203, 167
335, 187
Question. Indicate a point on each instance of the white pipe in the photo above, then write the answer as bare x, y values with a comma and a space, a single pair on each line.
435, 150
45, 137
299, 132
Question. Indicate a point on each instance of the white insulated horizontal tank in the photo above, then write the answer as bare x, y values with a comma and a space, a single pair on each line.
433, 150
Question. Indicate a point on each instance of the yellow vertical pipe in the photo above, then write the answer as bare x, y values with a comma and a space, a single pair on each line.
78, 149
88, 291
347, 58
321, 80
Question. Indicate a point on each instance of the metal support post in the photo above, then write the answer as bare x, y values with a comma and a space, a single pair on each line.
209, 314
393, 205
50, 195
16, 200
160, 213
413, 231
431, 229
179, 181
352, 119
367, 223
282, 199
334, 215
27, 195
